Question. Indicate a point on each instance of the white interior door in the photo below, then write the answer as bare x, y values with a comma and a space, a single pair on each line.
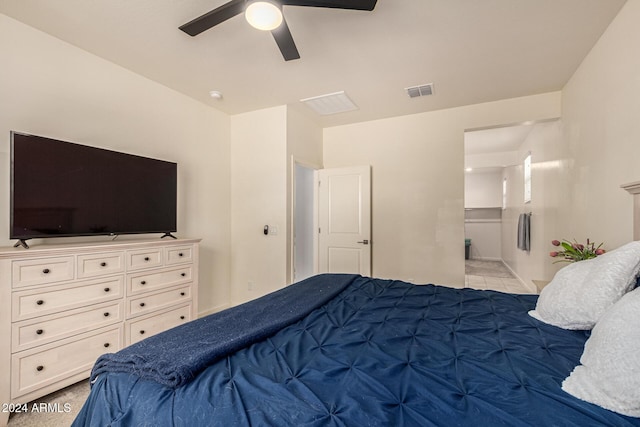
344, 217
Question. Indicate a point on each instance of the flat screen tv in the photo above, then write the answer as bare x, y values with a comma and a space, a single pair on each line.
61, 189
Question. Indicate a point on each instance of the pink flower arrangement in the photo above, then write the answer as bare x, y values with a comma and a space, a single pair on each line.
574, 251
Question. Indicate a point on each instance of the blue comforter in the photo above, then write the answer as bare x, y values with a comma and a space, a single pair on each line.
175, 357
379, 353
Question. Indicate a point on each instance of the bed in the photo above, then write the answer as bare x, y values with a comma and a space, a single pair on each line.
347, 350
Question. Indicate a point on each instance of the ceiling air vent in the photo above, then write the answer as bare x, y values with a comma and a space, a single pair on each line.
332, 103
422, 90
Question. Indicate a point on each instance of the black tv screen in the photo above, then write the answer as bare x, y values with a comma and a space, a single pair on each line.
65, 189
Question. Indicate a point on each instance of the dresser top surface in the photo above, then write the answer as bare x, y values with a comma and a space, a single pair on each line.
45, 249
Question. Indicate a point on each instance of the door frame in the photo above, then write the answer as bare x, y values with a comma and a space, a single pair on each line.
290, 270
292, 223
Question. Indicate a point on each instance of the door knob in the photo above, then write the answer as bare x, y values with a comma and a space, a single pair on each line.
364, 242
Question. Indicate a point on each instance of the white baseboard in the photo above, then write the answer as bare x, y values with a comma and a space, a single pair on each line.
529, 286
485, 258
213, 310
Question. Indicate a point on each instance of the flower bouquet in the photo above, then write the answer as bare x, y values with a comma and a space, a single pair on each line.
574, 251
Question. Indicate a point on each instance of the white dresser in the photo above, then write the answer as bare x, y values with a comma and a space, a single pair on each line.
62, 306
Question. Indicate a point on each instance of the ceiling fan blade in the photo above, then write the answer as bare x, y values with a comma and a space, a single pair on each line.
336, 4
285, 42
214, 17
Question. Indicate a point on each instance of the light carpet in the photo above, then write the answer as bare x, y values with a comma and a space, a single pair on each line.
56, 409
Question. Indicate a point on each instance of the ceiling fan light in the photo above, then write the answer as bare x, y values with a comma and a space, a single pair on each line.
263, 15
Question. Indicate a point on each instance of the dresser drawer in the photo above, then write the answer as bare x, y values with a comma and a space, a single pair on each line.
147, 281
42, 271
100, 264
46, 329
41, 366
155, 301
144, 258
140, 329
179, 255
39, 302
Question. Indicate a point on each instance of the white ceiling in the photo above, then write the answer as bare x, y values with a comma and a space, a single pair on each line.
496, 140
498, 147
472, 51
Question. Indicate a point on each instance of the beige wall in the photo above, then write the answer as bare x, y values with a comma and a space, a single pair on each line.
548, 192
258, 198
601, 116
418, 182
483, 189
263, 145
50, 88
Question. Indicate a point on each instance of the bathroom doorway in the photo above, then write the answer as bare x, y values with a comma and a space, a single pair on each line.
530, 157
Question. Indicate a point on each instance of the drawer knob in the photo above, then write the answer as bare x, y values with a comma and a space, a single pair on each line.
144, 282
180, 254
46, 271
107, 289
181, 294
146, 258
142, 332
39, 368
39, 332
106, 344
103, 264
40, 302
181, 317
106, 314
183, 274
141, 304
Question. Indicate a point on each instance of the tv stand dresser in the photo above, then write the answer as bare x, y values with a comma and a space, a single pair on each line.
62, 306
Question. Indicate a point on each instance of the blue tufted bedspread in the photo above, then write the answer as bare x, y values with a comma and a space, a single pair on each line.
380, 353
176, 356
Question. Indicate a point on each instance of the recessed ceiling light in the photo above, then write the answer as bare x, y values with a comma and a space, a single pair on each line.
332, 103
215, 94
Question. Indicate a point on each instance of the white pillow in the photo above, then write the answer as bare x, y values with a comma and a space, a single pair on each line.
581, 292
610, 372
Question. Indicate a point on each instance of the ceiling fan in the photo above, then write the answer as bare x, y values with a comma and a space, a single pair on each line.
267, 15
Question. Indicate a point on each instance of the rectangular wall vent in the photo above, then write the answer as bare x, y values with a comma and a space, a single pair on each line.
422, 90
